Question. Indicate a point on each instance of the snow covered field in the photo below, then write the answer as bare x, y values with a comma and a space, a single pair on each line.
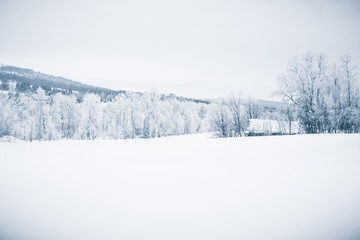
184, 187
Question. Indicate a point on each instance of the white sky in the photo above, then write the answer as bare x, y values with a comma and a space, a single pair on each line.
200, 49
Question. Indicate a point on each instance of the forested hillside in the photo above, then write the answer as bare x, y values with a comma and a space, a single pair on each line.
22, 80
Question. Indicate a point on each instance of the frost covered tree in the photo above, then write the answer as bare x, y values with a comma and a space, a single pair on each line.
90, 123
253, 108
239, 119
65, 115
350, 121
289, 112
42, 115
220, 119
301, 84
228, 117
6, 115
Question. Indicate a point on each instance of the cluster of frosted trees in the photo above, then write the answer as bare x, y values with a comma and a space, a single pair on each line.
325, 96
41, 117
232, 117
229, 118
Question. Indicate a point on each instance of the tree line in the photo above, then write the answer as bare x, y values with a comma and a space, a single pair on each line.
38, 116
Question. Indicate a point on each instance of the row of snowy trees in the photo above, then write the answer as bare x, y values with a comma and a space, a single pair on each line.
324, 96
42, 117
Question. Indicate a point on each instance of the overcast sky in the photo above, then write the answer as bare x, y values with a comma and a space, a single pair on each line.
193, 48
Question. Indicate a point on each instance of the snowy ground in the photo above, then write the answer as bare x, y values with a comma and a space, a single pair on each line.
186, 187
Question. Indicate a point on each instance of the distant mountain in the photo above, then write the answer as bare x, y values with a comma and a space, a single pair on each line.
271, 106
27, 79
22, 80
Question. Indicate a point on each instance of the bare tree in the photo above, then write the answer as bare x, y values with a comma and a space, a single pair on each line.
289, 112
253, 108
240, 121
301, 85
220, 119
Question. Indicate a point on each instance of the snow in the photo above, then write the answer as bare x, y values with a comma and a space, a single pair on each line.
183, 187
4, 92
267, 126
10, 139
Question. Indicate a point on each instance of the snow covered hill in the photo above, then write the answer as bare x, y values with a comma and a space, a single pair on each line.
183, 187
23, 78
19, 80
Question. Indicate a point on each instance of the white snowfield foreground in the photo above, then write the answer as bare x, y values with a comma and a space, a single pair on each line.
303, 187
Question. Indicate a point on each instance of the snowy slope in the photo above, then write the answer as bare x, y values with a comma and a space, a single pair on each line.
185, 187
15, 75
